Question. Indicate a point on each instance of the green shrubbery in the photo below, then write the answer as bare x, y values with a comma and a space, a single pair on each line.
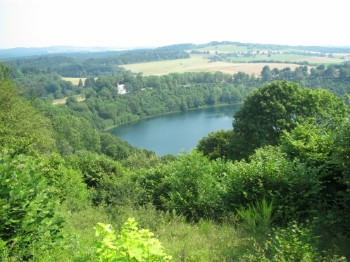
293, 243
132, 244
28, 207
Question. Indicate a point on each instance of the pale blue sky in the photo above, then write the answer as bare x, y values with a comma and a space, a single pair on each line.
136, 23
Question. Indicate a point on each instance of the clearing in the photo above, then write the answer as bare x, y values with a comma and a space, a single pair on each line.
63, 101
74, 80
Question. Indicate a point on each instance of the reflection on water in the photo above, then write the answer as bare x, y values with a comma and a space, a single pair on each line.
170, 134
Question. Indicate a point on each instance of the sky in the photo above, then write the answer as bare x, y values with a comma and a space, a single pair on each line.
152, 23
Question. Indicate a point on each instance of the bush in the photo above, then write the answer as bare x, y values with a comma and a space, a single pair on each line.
27, 206
132, 244
256, 217
195, 188
294, 243
292, 186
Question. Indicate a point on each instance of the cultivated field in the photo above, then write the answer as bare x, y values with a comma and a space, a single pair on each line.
294, 58
287, 54
200, 63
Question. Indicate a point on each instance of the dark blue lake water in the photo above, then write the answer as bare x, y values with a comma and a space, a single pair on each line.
173, 133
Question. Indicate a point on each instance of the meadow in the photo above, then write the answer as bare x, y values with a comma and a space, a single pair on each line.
200, 63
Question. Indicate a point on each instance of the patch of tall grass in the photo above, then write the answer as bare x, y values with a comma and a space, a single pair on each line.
257, 217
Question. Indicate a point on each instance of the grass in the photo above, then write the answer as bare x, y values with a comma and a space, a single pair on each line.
170, 66
204, 241
74, 80
200, 63
62, 101
185, 241
296, 58
256, 217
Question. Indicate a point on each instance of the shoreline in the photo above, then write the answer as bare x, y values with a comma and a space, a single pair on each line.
168, 113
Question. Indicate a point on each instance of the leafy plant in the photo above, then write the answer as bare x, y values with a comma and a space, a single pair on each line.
257, 217
194, 186
294, 243
27, 206
132, 244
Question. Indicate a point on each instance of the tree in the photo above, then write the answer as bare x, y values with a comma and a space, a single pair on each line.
266, 74
88, 83
22, 127
216, 144
281, 106
80, 84
75, 133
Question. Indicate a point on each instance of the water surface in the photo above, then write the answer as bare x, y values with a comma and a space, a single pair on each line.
174, 133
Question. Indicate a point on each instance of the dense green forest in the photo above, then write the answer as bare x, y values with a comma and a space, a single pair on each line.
93, 64
274, 188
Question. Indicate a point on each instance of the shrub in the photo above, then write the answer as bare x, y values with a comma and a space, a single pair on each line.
256, 217
294, 243
27, 206
291, 185
132, 244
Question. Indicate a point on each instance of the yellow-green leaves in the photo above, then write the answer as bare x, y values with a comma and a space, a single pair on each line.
132, 244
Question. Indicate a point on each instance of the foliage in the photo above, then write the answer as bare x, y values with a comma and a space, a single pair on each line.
309, 143
118, 190
114, 147
68, 182
216, 144
22, 127
132, 244
28, 205
94, 167
194, 187
75, 133
281, 106
92, 64
292, 186
44, 84
294, 243
257, 217
342, 149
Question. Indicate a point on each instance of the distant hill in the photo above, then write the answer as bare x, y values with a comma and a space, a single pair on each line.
35, 51
105, 51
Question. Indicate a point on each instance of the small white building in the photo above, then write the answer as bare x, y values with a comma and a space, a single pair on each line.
121, 89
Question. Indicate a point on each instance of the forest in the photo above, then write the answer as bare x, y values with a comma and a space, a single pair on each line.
276, 187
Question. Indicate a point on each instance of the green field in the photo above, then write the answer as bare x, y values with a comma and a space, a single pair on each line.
231, 58
170, 66
286, 54
296, 58
200, 63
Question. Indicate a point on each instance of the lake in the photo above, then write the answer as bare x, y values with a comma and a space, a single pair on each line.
174, 133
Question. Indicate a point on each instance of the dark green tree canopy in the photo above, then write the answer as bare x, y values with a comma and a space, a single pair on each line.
281, 106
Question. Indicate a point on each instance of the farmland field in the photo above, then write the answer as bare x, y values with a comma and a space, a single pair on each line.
200, 63
273, 54
290, 57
